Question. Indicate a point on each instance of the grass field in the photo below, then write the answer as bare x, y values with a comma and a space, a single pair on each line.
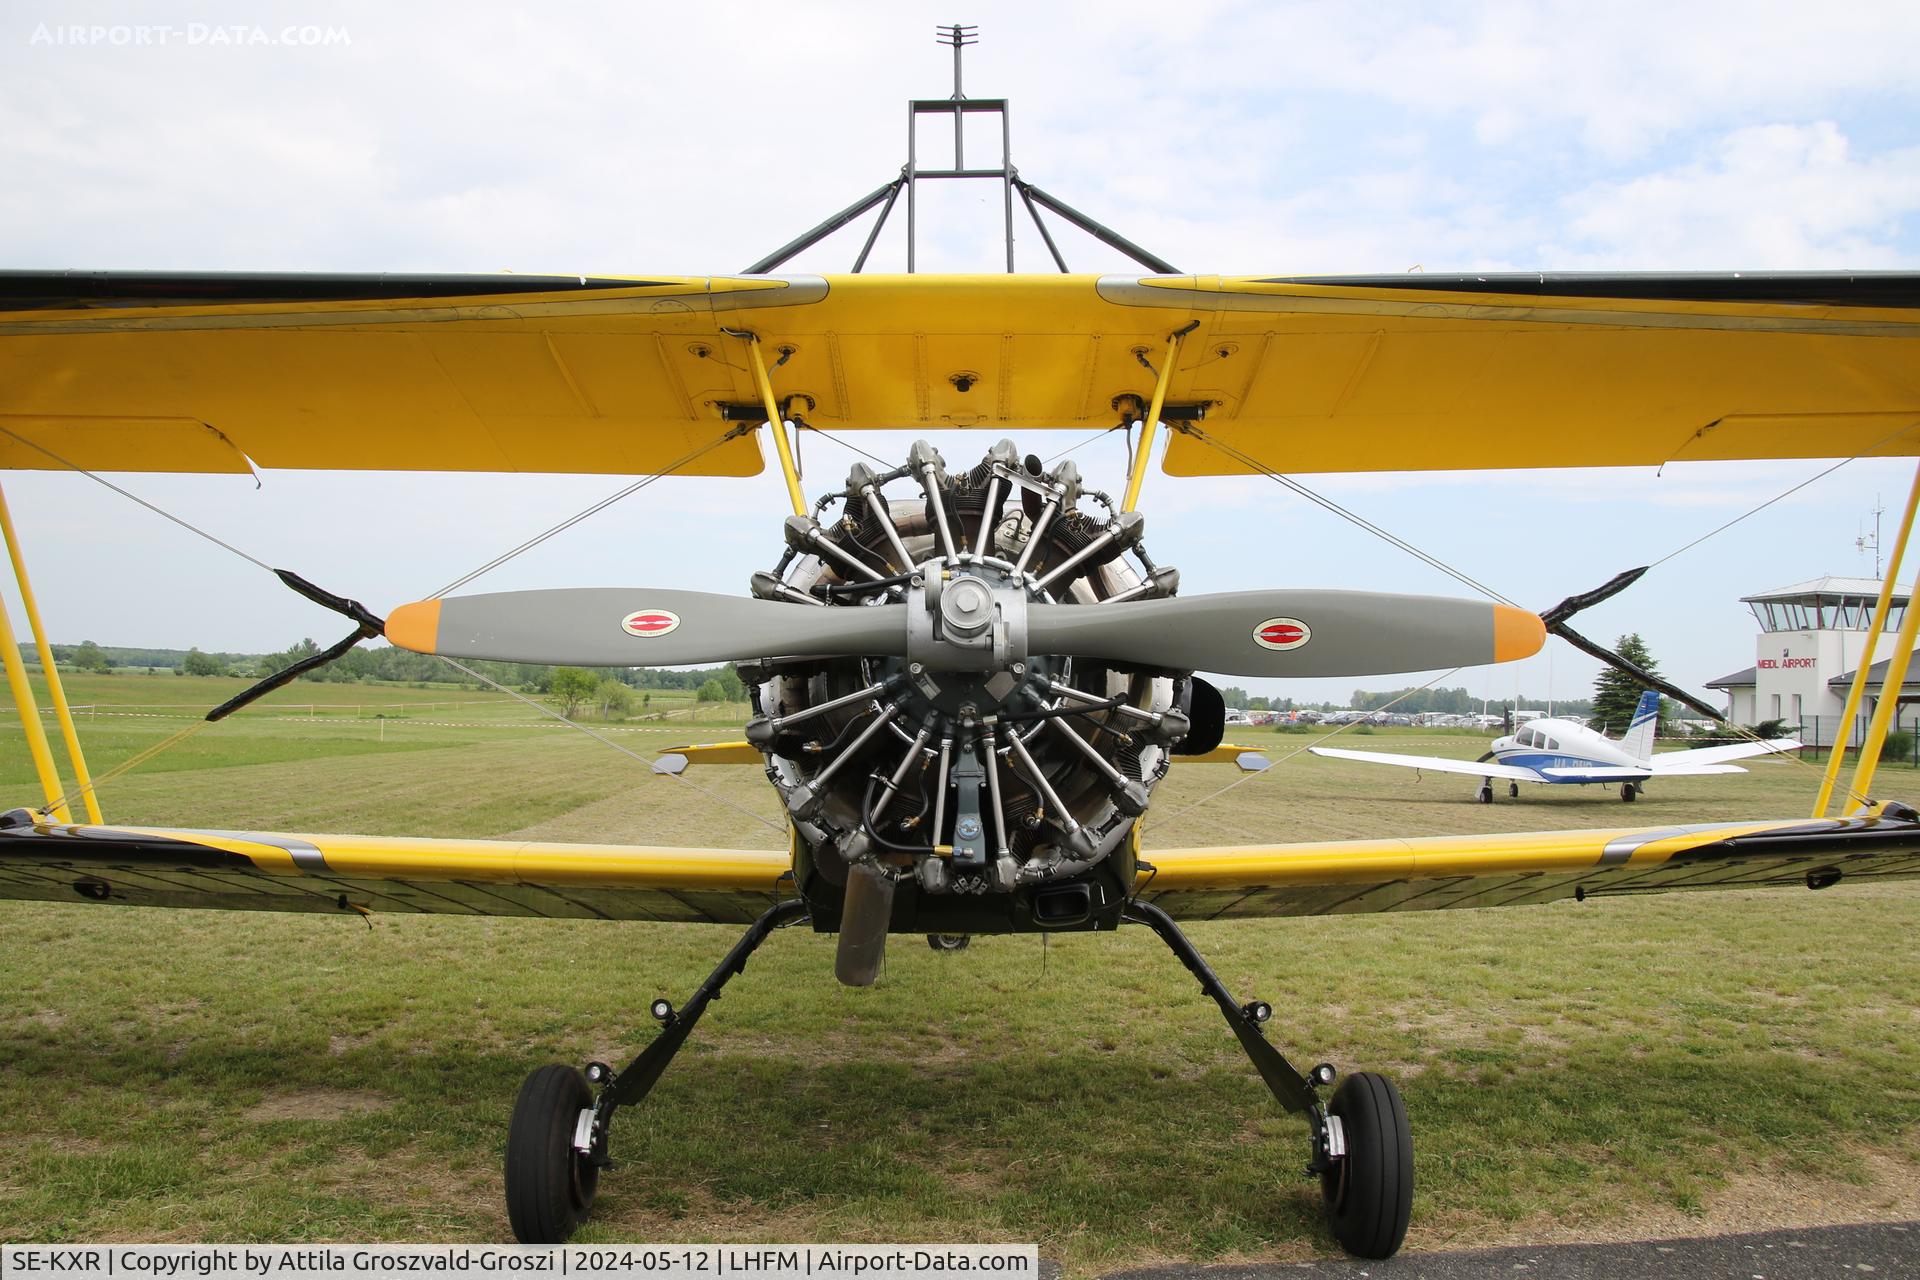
1618, 1067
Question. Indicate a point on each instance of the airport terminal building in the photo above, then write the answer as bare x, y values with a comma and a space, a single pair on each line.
1812, 637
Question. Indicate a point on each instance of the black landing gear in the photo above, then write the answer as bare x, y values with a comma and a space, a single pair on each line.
1513, 791
557, 1143
948, 941
1629, 792
1485, 794
1362, 1147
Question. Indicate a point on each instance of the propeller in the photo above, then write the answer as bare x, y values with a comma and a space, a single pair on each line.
1298, 633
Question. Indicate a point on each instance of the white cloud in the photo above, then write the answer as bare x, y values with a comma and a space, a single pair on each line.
1775, 193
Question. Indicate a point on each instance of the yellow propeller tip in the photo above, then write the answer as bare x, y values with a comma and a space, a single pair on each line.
1516, 633
416, 626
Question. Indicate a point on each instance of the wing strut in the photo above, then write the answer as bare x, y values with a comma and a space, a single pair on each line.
1858, 688
36, 735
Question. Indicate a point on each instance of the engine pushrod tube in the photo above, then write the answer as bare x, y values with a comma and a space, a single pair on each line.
940, 790
832, 704
842, 556
884, 514
900, 774
1115, 779
940, 527
1074, 561
1003, 849
1125, 708
881, 721
1064, 818
1040, 523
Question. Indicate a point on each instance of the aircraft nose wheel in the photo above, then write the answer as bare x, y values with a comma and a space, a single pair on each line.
550, 1184
1369, 1191
948, 941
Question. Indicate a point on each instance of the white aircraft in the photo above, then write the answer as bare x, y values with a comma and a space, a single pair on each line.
1561, 751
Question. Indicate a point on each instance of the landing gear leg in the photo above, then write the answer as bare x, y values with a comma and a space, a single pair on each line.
1362, 1147
557, 1143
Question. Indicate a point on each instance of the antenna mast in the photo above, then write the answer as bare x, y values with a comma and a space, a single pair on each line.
1872, 540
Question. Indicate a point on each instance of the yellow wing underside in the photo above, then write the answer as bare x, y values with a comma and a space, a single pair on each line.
362, 874
625, 375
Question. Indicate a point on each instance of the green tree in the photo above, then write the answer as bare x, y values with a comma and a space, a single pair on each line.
88, 657
712, 691
197, 663
570, 688
1234, 696
1616, 694
614, 699
1259, 704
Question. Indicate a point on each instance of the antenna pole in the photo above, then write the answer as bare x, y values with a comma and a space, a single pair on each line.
958, 35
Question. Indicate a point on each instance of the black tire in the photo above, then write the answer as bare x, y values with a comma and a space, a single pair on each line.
1513, 791
1484, 795
1628, 792
550, 1186
948, 941
1369, 1193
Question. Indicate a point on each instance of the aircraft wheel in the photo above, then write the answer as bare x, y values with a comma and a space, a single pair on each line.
1628, 791
1369, 1192
1485, 794
550, 1186
948, 941
1513, 791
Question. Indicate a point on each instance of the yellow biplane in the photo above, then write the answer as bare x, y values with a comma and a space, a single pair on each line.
967, 678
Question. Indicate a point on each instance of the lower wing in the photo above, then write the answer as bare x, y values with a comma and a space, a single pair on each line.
360, 875
1355, 876
1439, 764
269, 871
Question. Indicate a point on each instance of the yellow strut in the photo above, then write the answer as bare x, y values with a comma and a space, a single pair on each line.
55, 689
777, 426
1858, 689
30, 719
1889, 703
1147, 432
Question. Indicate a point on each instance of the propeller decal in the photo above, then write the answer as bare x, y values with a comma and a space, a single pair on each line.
1282, 634
647, 623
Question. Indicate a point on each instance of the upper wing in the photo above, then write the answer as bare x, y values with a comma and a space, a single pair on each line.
132, 371
265, 871
1507, 870
1678, 761
1439, 764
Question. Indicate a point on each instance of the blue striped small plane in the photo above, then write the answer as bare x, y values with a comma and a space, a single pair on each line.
1559, 752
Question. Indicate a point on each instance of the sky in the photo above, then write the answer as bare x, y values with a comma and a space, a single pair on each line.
1278, 138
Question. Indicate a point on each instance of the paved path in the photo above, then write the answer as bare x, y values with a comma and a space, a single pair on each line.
1880, 1251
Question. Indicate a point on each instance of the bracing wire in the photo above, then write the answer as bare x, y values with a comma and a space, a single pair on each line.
595, 509
134, 497
1357, 520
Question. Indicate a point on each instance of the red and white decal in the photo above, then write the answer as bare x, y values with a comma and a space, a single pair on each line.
648, 623
1282, 634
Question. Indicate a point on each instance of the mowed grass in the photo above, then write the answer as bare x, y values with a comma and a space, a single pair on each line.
1616, 1067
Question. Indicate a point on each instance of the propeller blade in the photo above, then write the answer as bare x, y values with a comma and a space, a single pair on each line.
632, 627
1289, 633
